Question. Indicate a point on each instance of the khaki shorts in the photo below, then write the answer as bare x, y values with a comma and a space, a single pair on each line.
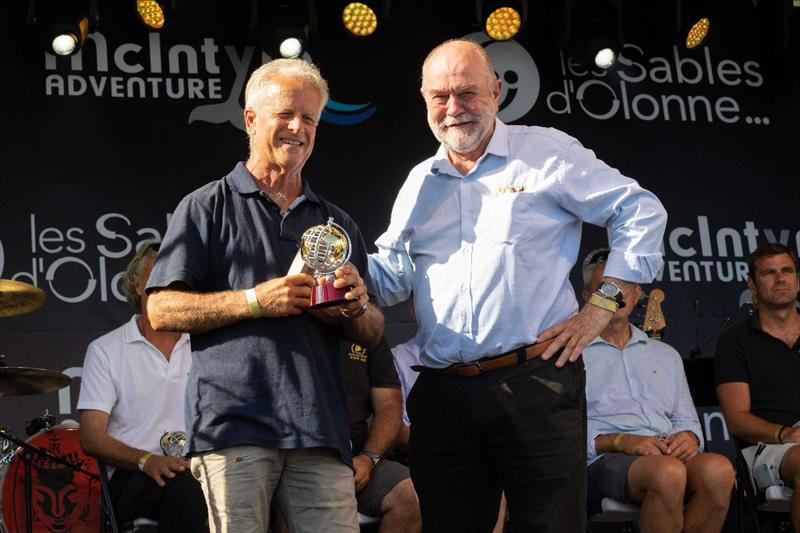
764, 463
313, 487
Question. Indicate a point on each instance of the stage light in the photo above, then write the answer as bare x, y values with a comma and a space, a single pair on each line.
698, 33
151, 13
66, 24
502, 19
594, 36
291, 48
359, 19
282, 28
605, 57
503, 24
64, 44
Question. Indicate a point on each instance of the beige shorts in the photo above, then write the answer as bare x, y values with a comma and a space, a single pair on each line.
314, 488
764, 463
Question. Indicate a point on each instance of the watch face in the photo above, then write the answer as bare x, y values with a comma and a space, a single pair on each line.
608, 290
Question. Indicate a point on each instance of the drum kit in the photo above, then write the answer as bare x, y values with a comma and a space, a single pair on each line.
49, 470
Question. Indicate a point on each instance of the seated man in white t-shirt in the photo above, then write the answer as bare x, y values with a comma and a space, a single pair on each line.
132, 393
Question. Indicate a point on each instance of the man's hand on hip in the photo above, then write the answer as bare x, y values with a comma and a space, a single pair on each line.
575, 333
160, 466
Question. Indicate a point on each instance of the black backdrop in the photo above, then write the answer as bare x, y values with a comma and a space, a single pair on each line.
96, 153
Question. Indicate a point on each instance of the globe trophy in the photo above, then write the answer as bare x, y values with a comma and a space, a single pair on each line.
173, 443
324, 248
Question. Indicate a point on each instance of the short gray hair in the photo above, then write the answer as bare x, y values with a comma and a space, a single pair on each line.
133, 273
593, 259
293, 68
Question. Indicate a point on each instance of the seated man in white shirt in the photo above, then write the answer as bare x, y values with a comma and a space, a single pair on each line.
132, 393
644, 437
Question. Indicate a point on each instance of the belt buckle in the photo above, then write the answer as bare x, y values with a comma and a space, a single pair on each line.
465, 366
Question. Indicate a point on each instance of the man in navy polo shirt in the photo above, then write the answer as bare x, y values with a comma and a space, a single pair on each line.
265, 403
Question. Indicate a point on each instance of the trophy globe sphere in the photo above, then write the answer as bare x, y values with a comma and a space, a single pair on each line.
325, 247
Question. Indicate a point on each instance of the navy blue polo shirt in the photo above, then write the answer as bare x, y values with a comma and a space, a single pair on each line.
273, 382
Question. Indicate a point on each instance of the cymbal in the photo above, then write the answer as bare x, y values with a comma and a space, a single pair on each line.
17, 298
19, 380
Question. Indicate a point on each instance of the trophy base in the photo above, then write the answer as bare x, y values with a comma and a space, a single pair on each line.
326, 295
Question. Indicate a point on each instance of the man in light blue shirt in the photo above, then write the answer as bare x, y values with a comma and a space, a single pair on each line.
485, 234
644, 440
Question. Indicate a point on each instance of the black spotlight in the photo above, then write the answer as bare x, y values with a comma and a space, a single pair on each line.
65, 23
284, 27
595, 38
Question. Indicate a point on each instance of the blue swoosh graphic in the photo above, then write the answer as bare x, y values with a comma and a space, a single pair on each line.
339, 106
349, 119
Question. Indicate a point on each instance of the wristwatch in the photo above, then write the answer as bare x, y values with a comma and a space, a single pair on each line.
610, 291
376, 458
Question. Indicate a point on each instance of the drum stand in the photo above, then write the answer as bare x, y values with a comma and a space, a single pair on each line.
27, 457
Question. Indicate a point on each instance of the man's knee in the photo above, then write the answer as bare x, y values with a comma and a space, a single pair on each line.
790, 467
716, 472
402, 496
667, 478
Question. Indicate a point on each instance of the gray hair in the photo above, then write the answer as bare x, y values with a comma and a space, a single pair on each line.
480, 50
133, 273
593, 259
293, 68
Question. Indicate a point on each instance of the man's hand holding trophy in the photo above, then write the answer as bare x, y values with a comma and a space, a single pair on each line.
324, 253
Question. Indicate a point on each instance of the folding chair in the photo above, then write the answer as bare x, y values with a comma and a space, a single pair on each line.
772, 506
617, 511
107, 508
368, 522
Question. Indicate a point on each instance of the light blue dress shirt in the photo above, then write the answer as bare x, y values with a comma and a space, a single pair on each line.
488, 255
640, 389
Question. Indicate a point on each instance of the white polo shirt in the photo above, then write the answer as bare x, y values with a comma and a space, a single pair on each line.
131, 380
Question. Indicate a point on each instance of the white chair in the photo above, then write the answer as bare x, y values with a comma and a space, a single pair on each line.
616, 511
777, 499
364, 520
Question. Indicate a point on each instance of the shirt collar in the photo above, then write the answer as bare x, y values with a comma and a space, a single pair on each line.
131, 333
498, 145
637, 336
241, 181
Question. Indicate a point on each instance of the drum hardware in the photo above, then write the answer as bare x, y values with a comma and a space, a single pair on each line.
29, 453
40, 423
17, 298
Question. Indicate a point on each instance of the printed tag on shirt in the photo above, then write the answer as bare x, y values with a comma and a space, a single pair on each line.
357, 353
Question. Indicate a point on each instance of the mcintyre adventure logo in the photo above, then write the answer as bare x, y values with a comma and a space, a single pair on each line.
703, 253
176, 72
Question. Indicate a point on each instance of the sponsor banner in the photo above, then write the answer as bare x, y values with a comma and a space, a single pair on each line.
98, 149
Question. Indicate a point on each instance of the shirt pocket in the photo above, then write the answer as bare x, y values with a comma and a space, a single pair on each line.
510, 217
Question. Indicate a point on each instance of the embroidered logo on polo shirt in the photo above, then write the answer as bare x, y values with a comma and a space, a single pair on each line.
357, 353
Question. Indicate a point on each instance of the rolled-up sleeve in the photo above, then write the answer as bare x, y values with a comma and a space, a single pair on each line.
634, 217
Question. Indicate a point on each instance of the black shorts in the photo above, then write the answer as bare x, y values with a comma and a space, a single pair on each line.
384, 478
607, 478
